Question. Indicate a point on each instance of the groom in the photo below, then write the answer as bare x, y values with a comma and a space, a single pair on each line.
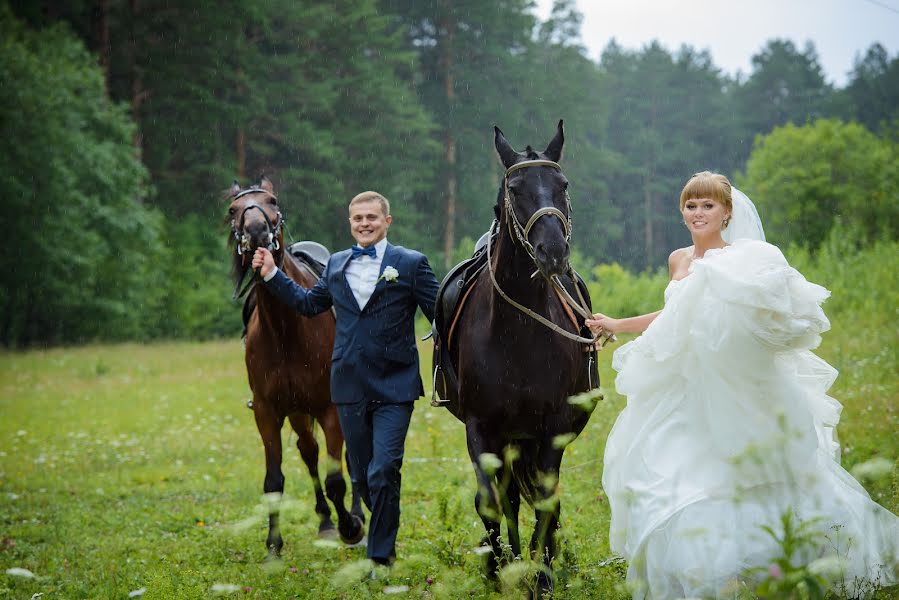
374, 288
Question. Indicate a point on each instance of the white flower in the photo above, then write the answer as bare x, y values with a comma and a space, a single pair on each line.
831, 567
490, 463
137, 593
20, 572
876, 468
390, 274
396, 589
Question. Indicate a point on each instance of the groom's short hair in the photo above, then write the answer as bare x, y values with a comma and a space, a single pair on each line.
706, 184
372, 196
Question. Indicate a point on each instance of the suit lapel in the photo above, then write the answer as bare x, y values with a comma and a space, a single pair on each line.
388, 261
341, 264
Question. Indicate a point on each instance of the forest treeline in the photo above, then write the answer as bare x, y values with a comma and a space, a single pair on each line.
124, 121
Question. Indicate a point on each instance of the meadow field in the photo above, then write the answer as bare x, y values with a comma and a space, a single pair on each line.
135, 470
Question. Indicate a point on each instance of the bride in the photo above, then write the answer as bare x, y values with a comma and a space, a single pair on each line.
728, 429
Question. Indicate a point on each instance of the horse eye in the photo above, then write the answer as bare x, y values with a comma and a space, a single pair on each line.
231, 211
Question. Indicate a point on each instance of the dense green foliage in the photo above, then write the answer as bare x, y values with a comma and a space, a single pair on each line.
126, 120
82, 251
138, 466
805, 179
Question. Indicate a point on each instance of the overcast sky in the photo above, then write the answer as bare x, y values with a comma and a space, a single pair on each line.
734, 30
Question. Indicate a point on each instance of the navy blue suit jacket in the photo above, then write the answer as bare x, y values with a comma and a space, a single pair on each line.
375, 358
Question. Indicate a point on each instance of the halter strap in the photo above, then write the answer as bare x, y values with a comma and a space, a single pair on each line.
256, 191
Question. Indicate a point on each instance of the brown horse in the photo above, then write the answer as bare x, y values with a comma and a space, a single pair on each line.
288, 360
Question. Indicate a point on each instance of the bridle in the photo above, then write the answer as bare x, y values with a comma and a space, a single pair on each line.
521, 233
274, 229
515, 227
243, 239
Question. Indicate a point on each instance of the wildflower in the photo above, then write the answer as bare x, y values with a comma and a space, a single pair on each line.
490, 462
830, 567
562, 440
396, 589
876, 468
429, 580
293, 569
20, 572
137, 593
774, 571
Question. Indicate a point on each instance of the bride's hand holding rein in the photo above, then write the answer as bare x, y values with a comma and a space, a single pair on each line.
600, 324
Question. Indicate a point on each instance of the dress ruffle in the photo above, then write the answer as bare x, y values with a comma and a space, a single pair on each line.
727, 425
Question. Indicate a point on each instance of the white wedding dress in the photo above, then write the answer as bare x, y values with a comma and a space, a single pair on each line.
727, 426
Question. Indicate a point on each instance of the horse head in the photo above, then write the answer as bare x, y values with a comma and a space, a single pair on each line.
534, 202
255, 222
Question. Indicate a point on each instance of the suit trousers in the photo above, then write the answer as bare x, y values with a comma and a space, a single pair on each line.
375, 435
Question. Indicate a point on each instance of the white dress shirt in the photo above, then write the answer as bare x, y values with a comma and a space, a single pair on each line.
361, 273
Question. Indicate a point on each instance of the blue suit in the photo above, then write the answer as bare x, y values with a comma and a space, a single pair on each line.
374, 373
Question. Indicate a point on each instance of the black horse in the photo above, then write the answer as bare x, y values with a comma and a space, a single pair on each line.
519, 352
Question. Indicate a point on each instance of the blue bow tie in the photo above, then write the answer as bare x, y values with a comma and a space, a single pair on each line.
358, 251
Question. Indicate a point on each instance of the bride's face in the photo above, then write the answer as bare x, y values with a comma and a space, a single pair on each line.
704, 215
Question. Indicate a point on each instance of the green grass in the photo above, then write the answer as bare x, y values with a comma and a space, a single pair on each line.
125, 467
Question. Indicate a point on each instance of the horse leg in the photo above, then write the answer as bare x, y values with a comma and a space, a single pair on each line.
308, 447
543, 541
486, 500
269, 425
349, 526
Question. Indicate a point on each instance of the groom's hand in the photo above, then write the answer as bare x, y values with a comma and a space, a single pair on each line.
263, 262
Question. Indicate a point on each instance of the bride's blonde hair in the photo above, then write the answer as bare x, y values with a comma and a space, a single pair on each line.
706, 184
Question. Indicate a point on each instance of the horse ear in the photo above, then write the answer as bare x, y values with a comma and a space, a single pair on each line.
266, 184
235, 188
506, 154
554, 151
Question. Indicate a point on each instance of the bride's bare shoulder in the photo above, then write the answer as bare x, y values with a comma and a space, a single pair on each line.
679, 262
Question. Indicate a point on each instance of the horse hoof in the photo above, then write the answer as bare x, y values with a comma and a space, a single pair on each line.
353, 534
273, 556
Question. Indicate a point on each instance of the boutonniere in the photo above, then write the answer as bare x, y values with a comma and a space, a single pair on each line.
389, 274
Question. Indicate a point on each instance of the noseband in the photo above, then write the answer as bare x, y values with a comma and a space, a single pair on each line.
274, 230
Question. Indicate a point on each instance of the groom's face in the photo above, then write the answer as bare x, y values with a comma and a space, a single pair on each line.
368, 223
